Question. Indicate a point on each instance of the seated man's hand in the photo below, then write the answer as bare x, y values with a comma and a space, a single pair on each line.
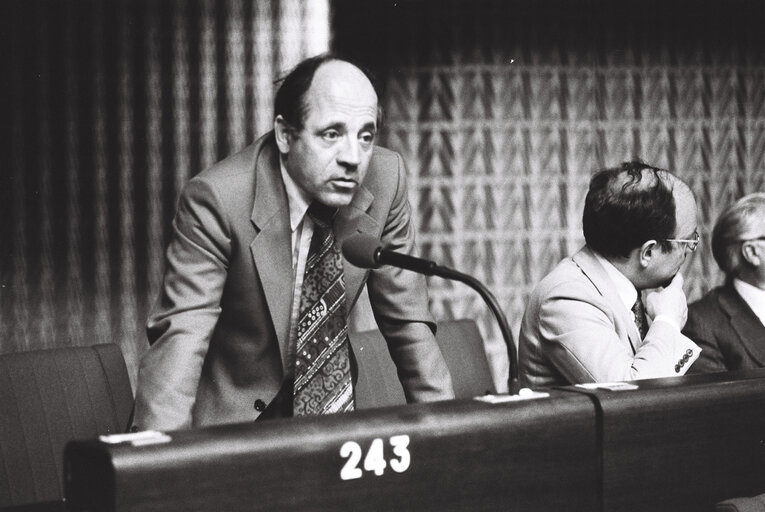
669, 302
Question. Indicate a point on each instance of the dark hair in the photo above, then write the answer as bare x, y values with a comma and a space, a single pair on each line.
627, 206
290, 101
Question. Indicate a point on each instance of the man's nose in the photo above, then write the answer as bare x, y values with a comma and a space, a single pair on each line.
350, 152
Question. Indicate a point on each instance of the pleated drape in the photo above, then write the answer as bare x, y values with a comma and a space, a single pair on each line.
111, 107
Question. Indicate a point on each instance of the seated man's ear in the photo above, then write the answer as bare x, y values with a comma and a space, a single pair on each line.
750, 251
646, 252
283, 132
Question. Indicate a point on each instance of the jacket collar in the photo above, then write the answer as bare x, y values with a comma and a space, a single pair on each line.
594, 271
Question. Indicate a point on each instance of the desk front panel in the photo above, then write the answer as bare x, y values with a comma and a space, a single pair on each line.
682, 444
458, 455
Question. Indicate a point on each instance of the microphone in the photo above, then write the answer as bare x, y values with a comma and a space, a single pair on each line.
366, 251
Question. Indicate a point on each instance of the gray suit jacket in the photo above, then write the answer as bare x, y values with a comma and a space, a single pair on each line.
732, 336
220, 328
576, 329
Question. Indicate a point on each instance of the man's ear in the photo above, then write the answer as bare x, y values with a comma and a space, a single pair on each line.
750, 253
646, 252
283, 132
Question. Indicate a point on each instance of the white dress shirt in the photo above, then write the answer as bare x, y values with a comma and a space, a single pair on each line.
301, 228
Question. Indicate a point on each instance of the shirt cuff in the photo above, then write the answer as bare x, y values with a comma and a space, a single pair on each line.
668, 319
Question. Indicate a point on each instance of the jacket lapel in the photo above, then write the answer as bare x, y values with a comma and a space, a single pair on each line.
595, 272
350, 220
271, 248
744, 322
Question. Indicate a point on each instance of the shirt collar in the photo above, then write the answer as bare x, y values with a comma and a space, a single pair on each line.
624, 287
297, 200
753, 296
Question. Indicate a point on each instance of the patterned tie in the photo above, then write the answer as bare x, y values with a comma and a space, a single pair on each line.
640, 320
322, 365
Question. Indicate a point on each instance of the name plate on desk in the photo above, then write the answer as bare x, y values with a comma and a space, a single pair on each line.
458, 455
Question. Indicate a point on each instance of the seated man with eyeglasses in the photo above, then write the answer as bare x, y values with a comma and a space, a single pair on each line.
728, 321
586, 321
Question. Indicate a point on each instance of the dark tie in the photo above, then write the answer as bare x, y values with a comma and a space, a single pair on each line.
322, 365
638, 310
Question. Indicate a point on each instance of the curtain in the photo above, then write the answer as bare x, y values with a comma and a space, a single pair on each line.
111, 107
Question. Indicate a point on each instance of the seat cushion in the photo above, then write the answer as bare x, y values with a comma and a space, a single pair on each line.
47, 398
461, 344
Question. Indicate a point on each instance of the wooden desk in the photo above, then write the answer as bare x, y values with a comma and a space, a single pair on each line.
679, 444
682, 444
533, 455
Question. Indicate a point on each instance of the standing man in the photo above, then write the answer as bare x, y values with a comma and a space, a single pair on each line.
728, 322
586, 320
251, 318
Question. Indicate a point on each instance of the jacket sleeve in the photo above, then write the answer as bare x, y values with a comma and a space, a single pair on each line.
580, 338
183, 319
399, 302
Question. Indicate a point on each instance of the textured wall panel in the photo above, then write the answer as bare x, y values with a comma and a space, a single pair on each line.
503, 109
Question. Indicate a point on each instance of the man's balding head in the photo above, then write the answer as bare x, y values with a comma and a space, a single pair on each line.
291, 101
628, 205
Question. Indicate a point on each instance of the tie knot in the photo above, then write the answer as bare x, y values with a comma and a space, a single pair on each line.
321, 214
637, 307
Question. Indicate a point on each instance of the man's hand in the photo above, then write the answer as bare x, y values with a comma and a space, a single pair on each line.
670, 302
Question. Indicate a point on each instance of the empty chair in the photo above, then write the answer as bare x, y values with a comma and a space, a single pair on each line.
47, 398
461, 344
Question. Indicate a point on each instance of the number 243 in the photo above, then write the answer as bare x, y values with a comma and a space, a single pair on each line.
375, 458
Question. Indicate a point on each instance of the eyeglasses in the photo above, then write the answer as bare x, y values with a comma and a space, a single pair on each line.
692, 244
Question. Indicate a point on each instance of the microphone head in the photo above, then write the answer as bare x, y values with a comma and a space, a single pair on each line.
362, 250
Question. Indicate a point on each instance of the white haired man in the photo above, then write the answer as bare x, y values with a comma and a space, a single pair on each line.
729, 321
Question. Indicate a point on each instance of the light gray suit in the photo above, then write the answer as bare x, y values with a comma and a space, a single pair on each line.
576, 329
220, 329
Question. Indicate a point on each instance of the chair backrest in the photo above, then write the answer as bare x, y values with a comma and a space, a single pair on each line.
753, 504
461, 345
48, 398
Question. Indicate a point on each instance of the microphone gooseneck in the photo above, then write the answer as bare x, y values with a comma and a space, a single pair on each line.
366, 251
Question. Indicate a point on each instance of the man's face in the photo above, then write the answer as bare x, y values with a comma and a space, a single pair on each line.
668, 263
329, 156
